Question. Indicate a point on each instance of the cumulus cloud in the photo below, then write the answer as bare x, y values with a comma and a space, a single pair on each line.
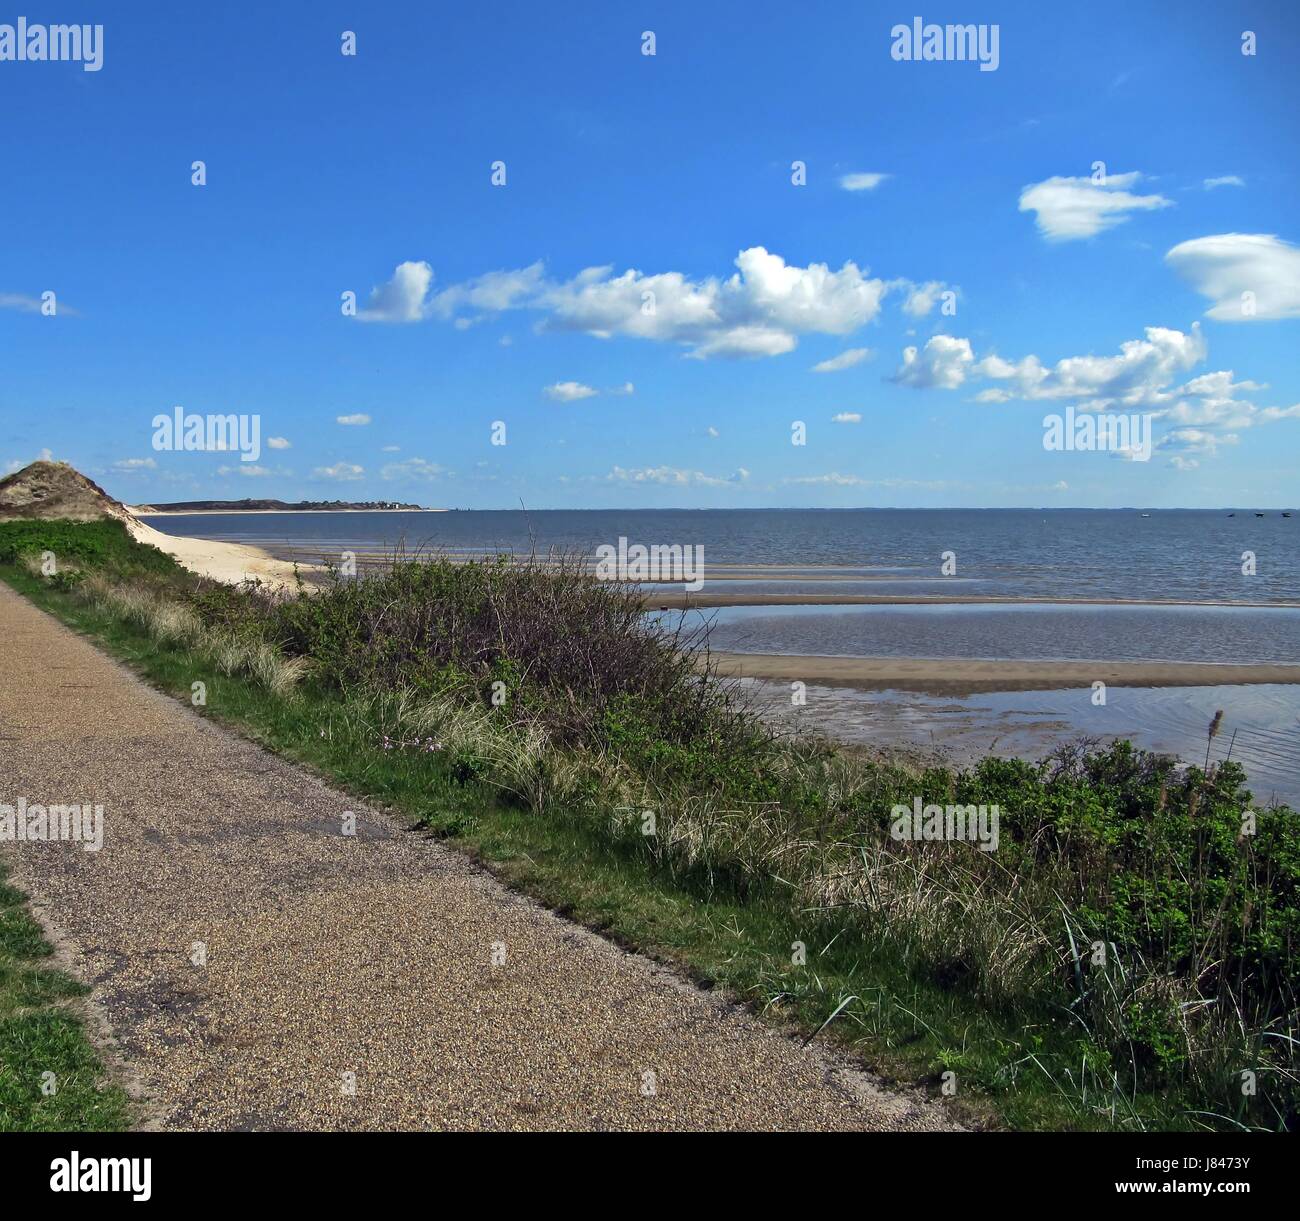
1070, 208
128, 465
356, 419
845, 360
944, 362
759, 310
277, 442
847, 417
1140, 376
862, 182
1147, 375
402, 298
1227, 265
569, 392
1228, 180
344, 471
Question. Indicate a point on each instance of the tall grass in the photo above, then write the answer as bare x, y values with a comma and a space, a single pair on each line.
1147, 913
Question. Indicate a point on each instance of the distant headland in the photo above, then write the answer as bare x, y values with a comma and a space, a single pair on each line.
281, 506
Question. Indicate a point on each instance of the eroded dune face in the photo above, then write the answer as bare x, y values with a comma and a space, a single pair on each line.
54, 490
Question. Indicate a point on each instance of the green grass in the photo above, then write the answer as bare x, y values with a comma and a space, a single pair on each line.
1008, 1073
41, 1033
1026, 1062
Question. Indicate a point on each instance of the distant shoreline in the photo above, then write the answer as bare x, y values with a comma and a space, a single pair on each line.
139, 511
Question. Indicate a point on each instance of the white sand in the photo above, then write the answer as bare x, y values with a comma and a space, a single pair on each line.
228, 562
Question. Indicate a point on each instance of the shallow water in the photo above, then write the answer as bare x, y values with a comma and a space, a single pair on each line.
1261, 725
1037, 631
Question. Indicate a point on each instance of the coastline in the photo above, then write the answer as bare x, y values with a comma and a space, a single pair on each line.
139, 511
230, 563
958, 676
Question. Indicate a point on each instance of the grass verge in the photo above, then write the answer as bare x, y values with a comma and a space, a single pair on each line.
51, 1078
1064, 986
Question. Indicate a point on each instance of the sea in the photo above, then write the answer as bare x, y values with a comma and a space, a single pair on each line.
1218, 586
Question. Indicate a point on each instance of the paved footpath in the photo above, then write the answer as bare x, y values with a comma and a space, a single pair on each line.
330, 955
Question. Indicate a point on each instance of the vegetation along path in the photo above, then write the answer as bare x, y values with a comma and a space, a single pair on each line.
259, 968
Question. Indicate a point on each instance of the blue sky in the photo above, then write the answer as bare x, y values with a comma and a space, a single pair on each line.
670, 174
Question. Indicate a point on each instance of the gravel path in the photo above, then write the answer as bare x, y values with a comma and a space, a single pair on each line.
329, 955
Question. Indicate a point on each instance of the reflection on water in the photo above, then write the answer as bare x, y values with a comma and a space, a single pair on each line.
1261, 724
1046, 632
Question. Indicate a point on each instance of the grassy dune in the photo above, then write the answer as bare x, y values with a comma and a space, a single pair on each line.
1121, 960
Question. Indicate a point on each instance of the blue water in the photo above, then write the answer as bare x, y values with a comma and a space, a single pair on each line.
1181, 555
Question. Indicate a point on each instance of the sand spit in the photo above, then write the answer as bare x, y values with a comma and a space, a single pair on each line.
957, 676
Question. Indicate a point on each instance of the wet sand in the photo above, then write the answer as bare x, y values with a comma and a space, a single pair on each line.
955, 676
712, 601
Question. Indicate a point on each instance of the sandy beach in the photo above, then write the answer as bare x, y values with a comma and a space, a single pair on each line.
228, 562
955, 676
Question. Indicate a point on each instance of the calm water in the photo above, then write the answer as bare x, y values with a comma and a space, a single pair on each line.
1041, 631
1183, 555
1187, 556
1261, 724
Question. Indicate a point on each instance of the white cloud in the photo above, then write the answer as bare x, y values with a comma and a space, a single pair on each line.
248, 470
862, 182
1140, 376
16, 301
1147, 376
847, 417
340, 470
391, 449
413, 468
674, 477
491, 293
921, 298
277, 443
1228, 180
834, 479
713, 432
760, 310
845, 360
569, 392
943, 362
401, 299
1070, 208
128, 465
1226, 265
1195, 441
358, 418
624, 390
